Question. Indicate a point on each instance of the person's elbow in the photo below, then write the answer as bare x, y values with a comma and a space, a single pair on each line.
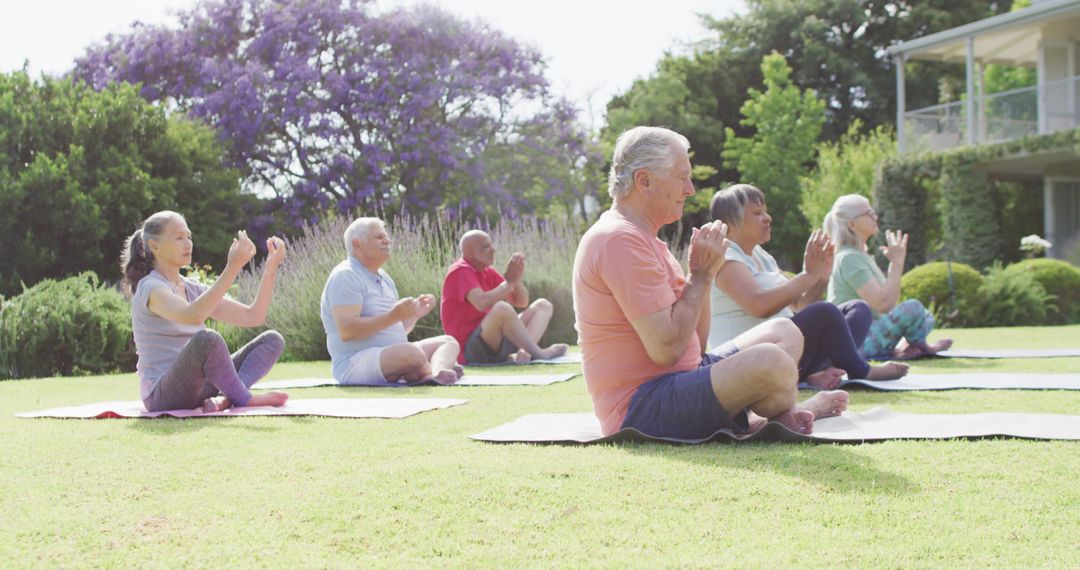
665, 355
759, 310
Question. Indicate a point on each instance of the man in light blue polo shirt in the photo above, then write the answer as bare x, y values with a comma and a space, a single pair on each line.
367, 324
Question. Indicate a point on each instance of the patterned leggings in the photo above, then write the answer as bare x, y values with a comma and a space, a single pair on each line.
205, 369
909, 320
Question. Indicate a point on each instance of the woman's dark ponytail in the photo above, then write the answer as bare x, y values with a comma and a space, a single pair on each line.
137, 261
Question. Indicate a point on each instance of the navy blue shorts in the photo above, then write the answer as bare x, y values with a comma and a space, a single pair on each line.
682, 405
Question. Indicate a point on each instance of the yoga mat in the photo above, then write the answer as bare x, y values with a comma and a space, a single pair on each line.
477, 380
1010, 353
570, 358
333, 407
971, 381
874, 425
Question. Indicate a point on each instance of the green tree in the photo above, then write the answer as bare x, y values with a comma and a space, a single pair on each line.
845, 167
80, 169
786, 122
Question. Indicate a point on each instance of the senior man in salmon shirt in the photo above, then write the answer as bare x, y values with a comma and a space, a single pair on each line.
642, 323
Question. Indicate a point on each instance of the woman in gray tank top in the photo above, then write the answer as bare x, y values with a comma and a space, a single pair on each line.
182, 364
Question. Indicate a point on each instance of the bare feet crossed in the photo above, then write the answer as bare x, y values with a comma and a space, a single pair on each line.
826, 404
887, 371
273, 398
828, 379
798, 421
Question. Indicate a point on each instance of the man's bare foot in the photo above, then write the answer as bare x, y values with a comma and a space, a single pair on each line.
798, 421
887, 371
943, 344
828, 379
459, 370
554, 351
755, 422
216, 404
826, 404
274, 398
445, 377
522, 356
908, 352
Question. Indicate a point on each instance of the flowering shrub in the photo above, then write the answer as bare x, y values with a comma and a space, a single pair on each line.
1034, 246
423, 248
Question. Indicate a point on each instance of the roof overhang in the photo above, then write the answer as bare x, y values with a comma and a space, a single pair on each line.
1008, 39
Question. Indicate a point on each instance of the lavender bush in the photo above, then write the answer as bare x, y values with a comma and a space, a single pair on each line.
423, 247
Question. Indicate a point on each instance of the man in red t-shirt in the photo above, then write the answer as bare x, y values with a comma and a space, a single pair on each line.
478, 307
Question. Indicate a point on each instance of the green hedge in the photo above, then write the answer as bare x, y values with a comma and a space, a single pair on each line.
944, 202
68, 327
953, 304
1058, 278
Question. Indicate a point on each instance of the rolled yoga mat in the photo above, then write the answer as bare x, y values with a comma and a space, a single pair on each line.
877, 424
332, 407
970, 381
1001, 353
467, 380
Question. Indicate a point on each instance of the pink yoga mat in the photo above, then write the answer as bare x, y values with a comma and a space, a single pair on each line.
332, 407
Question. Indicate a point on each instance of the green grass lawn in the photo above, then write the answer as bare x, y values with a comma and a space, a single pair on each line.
322, 492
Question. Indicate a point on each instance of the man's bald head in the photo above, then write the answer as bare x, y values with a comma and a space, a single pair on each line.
477, 249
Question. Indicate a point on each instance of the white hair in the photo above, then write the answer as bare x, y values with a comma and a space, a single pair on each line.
361, 229
638, 148
845, 209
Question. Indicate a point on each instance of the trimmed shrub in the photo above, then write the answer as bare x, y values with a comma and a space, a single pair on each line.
1012, 298
930, 285
68, 327
1060, 279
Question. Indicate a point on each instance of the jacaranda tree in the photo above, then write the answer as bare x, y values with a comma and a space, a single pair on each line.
336, 103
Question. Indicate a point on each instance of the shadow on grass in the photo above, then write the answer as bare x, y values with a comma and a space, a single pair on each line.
836, 467
165, 426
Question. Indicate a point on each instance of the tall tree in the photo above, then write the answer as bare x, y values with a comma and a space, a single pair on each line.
79, 169
836, 47
329, 102
786, 123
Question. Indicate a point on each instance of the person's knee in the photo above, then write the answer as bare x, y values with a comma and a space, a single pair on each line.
543, 305
771, 367
274, 339
403, 358
501, 310
448, 340
208, 338
787, 332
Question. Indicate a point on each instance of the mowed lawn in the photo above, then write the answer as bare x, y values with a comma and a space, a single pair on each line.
308, 492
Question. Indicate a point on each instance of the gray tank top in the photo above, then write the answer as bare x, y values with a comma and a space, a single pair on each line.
158, 341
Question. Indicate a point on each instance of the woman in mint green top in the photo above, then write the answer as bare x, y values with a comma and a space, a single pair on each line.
899, 330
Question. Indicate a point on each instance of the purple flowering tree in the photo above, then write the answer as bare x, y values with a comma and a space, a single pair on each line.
334, 104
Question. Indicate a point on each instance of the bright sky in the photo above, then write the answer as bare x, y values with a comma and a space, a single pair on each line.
593, 51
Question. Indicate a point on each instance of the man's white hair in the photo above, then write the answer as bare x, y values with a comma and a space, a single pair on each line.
361, 229
642, 147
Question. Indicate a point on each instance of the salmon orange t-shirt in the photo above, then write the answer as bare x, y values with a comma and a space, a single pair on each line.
622, 273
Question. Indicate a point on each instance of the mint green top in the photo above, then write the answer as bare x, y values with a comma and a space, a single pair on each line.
851, 270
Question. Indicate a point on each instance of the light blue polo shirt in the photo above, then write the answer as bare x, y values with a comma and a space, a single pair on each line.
350, 283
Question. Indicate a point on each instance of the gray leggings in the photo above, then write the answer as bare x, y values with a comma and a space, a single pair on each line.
205, 369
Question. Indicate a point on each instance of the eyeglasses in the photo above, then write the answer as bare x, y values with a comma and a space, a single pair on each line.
869, 212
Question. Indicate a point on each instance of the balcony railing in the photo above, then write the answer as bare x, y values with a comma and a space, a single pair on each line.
1004, 116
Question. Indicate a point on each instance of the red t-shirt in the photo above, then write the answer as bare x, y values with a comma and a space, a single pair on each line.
621, 273
459, 317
